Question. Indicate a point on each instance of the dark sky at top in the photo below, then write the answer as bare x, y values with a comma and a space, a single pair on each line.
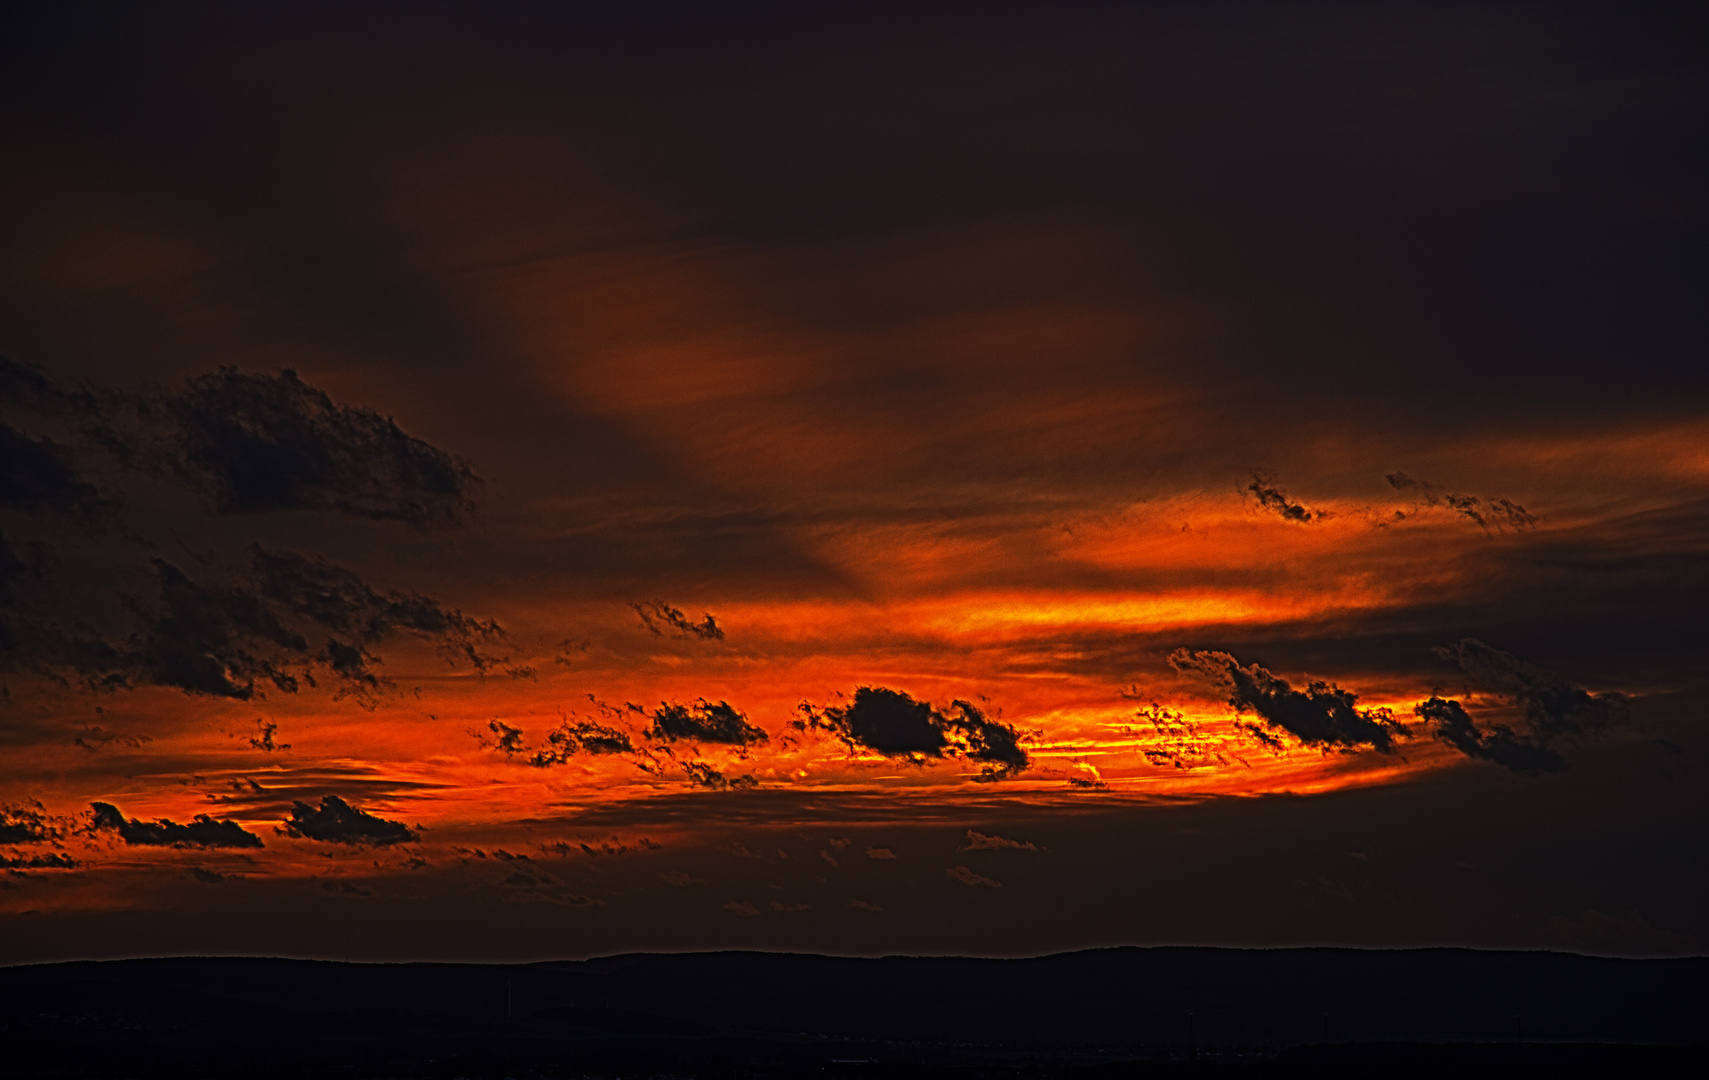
982, 479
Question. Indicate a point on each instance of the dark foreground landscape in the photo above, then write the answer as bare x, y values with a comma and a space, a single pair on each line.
1101, 1013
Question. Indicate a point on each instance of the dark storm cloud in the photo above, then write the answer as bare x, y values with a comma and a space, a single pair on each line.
287, 617
339, 601
703, 721
1497, 743
39, 475
894, 724
658, 617
1489, 514
1263, 488
1553, 707
221, 640
203, 832
256, 444
250, 443
337, 822
1320, 715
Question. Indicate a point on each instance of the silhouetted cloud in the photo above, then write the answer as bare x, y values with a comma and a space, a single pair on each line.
263, 739
1263, 488
1177, 741
573, 737
1321, 715
1553, 707
28, 822
658, 617
211, 877
53, 860
203, 832
702, 774
337, 822
1488, 513
895, 725
1498, 743
508, 739
705, 722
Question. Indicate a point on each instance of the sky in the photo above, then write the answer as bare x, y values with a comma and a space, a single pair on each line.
512, 482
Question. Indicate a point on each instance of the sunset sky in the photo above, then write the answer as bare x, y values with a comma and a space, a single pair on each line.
506, 482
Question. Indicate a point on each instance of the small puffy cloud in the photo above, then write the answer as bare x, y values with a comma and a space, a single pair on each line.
741, 907
894, 724
661, 618
506, 739
578, 736
1319, 715
882, 853
971, 879
337, 822
1489, 514
1272, 498
703, 721
702, 774
203, 832
978, 841
264, 738
864, 906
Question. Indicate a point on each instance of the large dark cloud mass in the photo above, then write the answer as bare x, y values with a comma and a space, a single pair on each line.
38, 474
1498, 743
249, 443
1554, 708
892, 723
278, 623
257, 443
203, 832
335, 821
1319, 715
253, 443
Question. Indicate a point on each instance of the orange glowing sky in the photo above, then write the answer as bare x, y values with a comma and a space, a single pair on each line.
1000, 394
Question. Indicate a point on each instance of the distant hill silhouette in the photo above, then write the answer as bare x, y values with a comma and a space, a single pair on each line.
761, 1014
